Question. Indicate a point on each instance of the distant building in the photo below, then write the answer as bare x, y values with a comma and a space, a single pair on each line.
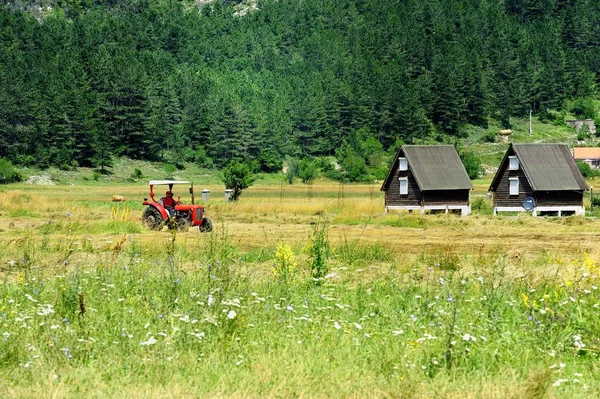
546, 173
579, 123
589, 155
427, 178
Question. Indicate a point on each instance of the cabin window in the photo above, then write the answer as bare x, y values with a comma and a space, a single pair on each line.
403, 164
403, 186
513, 186
513, 163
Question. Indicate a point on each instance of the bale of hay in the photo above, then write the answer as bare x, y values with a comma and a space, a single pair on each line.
118, 198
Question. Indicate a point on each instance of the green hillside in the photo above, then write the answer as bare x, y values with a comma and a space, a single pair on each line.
83, 83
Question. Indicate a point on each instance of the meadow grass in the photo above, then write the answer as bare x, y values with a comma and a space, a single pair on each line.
403, 305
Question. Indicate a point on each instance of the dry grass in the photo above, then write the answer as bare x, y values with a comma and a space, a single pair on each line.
266, 215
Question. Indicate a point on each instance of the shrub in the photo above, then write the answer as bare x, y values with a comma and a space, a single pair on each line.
307, 171
355, 167
586, 170
489, 137
471, 162
482, 206
269, 162
170, 170
237, 177
584, 108
319, 252
137, 174
292, 170
8, 174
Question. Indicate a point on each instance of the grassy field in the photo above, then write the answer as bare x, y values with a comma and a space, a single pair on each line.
300, 291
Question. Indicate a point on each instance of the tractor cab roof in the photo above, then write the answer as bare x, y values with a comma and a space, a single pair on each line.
167, 182
170, 183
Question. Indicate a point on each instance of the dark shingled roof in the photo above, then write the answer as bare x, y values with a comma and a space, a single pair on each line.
435, 167
548, 167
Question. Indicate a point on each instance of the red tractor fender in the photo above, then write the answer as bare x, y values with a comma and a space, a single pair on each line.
159, 207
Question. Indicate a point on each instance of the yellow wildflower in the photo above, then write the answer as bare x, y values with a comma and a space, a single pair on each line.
525, 300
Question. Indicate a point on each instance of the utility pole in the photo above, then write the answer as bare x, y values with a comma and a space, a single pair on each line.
530, 122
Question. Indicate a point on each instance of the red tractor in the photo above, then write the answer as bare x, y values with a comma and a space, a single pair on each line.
173, 213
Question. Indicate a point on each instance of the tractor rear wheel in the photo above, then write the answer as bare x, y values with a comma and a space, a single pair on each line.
152, 219
206, 225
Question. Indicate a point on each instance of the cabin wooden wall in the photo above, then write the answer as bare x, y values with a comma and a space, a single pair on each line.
392, 194
558, 198
502, 197
446, 197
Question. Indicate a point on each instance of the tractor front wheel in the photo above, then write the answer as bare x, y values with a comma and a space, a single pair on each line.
183, 225
152, 219
206, 225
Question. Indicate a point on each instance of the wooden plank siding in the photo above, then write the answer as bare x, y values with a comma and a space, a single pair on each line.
559, 198
502, 197
392, 193
445, 197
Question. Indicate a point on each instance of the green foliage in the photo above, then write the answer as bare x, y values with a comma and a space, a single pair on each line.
586, 170
319, 252
471, 162
137, 174
307, 171
237, 177
489, 136
84, 82
170, 170
269, 162
293, 169
584, 108
8, 174
482, 206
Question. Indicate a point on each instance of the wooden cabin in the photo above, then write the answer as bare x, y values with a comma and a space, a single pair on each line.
546, 173
427, 178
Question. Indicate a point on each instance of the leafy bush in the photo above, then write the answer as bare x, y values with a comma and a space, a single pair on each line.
202, 158
8, 174
137, 174
482, 206
471, 162
355, 167
307, 171
324, 164
584, 108
269, 162
319, 252
489, 137
292, 170
586, 170
237, 177
170, 169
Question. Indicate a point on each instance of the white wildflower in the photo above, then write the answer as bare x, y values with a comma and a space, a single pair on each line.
30, 298
45, 310
468, 337
151, 341
199, 335
231, 315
